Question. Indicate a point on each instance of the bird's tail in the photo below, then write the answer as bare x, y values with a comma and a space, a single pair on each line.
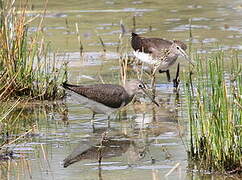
67, 86
134, 34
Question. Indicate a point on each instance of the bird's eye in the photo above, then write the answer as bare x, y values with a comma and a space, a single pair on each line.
178, 47
141, 155
140, 86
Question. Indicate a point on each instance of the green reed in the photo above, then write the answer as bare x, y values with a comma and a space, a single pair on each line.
27, 67
214, 96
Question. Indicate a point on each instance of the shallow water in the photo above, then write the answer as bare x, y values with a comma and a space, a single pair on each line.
141, 132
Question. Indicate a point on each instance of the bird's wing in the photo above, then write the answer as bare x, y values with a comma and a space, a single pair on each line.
149, 45
157, 43
110, 95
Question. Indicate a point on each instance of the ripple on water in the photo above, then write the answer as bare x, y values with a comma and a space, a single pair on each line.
90, 58
232, 28
225, 48
106, 43
109, 2
109, 33
103, 28
166, 144
144, 30
154, 167
111, 168
56, 15
108, 24
55, 28
209, 40
234, 36
82, 76
103, 163
24, 149
187, 26
194, 6
137, 2
167, 135
200, 19
173, 20
111, 10
165, 87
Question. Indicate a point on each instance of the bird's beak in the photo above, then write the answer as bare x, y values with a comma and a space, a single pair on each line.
149, 96
184, 54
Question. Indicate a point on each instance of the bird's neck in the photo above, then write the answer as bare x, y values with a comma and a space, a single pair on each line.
129, 99
130, 94
172, 56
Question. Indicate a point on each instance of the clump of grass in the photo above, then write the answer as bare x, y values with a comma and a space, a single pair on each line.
26, 67
214, 96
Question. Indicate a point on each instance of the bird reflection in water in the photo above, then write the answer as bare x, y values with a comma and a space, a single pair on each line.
111, 147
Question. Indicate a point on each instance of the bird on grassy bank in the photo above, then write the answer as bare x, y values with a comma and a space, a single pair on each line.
106, 98
159, 53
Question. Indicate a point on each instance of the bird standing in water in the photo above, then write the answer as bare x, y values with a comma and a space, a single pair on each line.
106, 98
159, 53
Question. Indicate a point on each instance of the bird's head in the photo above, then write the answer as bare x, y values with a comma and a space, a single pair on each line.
178, 48
134, 87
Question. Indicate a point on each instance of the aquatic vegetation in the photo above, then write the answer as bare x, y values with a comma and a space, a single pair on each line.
11, 125
214, 96
20, 124
27, 67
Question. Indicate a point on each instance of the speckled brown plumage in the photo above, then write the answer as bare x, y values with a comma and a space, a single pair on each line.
152, 45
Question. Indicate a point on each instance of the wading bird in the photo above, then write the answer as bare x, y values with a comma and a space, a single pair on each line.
106, 98
159, 53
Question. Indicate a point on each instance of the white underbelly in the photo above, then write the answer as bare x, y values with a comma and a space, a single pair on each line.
96, 107
148, 59
145, 57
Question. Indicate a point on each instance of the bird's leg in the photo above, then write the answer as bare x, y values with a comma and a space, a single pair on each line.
167, 74
176, 80
108, 121
92, 122
153, 87
153, 83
